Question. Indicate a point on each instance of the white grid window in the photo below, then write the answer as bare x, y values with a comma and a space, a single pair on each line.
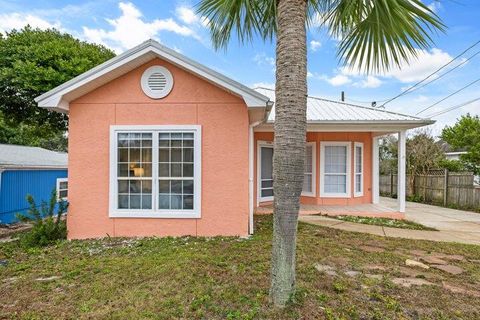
155, 171
335, 174
62, 189
309, 174
358, 160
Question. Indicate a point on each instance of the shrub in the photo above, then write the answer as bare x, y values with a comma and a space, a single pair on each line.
48, 226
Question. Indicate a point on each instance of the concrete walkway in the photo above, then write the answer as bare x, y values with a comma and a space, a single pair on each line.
453, 225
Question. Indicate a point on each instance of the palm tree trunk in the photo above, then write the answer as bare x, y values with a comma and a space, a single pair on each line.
290, 132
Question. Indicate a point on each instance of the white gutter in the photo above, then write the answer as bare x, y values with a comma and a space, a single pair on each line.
250, 174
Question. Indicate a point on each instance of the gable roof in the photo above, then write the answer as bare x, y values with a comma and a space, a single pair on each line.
14, 156
321, 110
58, 98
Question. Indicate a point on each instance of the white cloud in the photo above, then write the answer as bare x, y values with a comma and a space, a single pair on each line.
187, 15
17, 21
262, 59
369, 82
435, 6
309, 74
338, 80
315, 45
130, 29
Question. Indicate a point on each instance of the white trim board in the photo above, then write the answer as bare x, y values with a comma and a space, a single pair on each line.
362, 173
58, 98
314, 170
261, 144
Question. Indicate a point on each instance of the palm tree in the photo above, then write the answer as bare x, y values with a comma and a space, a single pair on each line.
372, 35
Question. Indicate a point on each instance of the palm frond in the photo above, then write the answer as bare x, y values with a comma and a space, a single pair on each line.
246, 18
374, 34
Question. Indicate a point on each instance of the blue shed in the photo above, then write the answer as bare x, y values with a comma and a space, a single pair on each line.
29, 170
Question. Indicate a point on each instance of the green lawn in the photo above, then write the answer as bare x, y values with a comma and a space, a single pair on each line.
228, 278
385, 222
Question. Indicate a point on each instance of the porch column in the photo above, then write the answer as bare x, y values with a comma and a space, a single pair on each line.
375, 172
401, 172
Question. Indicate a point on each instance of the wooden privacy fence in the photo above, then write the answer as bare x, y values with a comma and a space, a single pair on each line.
455, 189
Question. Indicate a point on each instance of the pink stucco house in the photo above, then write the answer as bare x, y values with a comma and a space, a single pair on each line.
161, 145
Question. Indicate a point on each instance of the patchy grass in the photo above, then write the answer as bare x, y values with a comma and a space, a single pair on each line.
385, 222
228, 278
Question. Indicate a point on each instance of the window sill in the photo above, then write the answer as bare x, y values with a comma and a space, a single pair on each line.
155, 215
334, 195
308, 194
356, 195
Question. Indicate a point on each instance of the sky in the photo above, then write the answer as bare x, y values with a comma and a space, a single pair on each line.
120, 25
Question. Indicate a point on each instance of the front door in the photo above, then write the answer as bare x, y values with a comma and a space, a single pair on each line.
266, 173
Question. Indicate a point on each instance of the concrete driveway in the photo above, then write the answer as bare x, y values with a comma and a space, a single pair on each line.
452, 225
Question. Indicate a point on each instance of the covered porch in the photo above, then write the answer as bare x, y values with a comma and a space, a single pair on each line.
383, 209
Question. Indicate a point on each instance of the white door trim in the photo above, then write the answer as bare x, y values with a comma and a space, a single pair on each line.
260, 145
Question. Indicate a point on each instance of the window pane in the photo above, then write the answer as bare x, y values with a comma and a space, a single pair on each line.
188, 202
123, 186
267, 162
176, 202
188, 186
188, 170
176, 169
63, 184
135, 202
122, 170
267, 183
135, 186
122, 155
358, 159
176, 155
176, 186
164, 155
62, 194
146, 202
335, 183
164, 202
187, 143
164, 186
123, 202
267, 193
307, 183
146, 186
188, 155
308, 159
163, 170
358, 183
335, 159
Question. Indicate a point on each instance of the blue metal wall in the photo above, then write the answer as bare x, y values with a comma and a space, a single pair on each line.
16, 184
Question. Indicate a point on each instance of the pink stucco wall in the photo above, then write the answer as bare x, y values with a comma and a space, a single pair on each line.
317, 137
224, 121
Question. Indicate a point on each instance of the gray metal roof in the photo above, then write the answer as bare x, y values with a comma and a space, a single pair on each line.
319, 110
31, 157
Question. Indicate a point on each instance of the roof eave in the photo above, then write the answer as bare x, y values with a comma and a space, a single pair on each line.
55, 98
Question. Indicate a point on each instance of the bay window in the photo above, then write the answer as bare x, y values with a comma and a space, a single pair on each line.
335, 169
155, 171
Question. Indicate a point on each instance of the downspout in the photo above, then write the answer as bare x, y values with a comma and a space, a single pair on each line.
250, 174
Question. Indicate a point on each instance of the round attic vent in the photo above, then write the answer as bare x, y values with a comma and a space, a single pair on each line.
157, 82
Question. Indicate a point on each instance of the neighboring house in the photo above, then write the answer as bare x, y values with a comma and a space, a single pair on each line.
454, 155
161, 145
29, 170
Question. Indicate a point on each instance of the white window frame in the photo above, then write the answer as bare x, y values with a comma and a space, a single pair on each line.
361, 174
313, 193
59, 180
262, 144
114, 212
348, 145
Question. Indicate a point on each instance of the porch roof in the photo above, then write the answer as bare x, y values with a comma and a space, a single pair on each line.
322, 111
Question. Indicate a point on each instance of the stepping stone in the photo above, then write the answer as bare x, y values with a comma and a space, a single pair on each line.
326, 269
415, 273
418, 252
455, 257
460, 290
448, 268
372, 249
374, 276
374, 267
48, 279
414, 263
352, 273
408, 282
433, 260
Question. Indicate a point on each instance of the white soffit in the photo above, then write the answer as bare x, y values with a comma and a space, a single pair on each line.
59, 97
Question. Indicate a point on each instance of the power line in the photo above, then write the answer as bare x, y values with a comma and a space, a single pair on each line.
461, 89
444, 74
431, 75
453, 108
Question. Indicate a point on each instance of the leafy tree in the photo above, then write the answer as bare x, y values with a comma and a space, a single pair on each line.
32, 135
372, 35
465, 134
33, 61
452, 165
